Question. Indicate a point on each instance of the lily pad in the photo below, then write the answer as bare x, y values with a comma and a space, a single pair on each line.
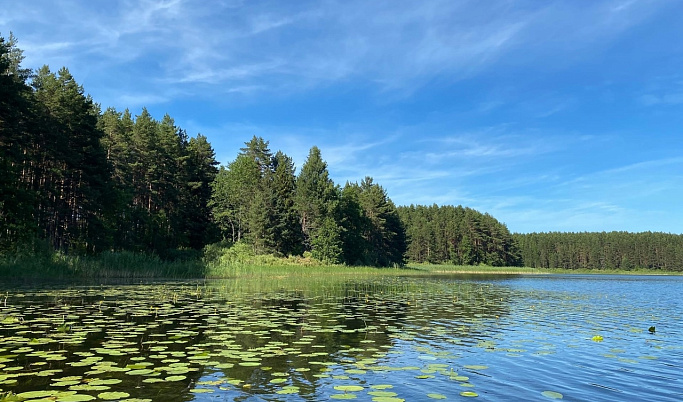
111, 396
75, 398
552, 394
476, 367
348, 388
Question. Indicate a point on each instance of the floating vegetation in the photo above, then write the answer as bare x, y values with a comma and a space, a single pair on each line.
552, 394
380, 339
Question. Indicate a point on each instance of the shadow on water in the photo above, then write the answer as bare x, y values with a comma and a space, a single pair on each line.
177, 341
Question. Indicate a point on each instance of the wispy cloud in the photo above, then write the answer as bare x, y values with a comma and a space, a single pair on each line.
284, 45
516, 108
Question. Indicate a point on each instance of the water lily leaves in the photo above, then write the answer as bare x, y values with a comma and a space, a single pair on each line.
476, 367
88, 387
65, 383
552, 394
111, 396
75, 398
265, 337
202, 390
383, 393
36, 394
152, 380
140, 372
348, 388
469, 394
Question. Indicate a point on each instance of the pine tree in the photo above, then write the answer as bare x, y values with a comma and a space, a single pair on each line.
17, 146
76, 174
201, 172
316, 195
286, 228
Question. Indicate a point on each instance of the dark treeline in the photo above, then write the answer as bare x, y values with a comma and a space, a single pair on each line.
79, 180
612, 250
457, 235
87, 181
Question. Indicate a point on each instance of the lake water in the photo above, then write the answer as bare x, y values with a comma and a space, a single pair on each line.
580, 338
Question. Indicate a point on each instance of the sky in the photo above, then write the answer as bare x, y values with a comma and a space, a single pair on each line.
548, 115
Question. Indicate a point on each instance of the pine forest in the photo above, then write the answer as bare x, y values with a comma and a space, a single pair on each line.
80, 179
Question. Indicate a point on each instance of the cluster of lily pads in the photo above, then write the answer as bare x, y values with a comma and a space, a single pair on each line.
385, 340
152, 342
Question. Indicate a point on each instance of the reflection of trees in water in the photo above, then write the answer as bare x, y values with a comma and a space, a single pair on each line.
291, 332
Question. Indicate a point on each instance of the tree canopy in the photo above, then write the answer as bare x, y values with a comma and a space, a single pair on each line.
85, 181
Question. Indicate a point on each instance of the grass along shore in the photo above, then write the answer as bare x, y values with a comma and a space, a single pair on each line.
237, 263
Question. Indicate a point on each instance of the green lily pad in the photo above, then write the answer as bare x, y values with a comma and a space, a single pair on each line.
36, 394
436, 396
552, 394
288, 391
382, 393
111, 396
75, 398
469, 394
348, 388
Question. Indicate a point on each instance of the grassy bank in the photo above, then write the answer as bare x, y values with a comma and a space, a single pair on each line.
106, 265
218, 261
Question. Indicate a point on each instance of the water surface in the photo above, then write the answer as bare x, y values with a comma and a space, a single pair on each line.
387, 339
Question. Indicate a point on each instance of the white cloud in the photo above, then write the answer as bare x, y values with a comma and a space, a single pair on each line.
291, 47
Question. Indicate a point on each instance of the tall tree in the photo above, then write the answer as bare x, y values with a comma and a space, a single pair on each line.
17, 145
233, 192
385, 234
76, 173
286, 228
316, 195
201, 172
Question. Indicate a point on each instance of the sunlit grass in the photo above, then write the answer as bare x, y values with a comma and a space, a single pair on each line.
236, 263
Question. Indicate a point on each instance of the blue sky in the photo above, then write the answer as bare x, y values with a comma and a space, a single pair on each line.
549, 115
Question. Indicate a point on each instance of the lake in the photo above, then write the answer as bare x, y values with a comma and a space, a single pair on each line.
574, 337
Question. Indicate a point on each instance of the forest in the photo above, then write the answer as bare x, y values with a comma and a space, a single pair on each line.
83, 180
603, 251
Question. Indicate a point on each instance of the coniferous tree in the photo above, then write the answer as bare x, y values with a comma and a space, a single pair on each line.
316, 195
75, 173
354, 224
327, 243
286, 228
17, 144
201, 172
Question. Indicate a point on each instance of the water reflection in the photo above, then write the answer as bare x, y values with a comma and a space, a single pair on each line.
313, 339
